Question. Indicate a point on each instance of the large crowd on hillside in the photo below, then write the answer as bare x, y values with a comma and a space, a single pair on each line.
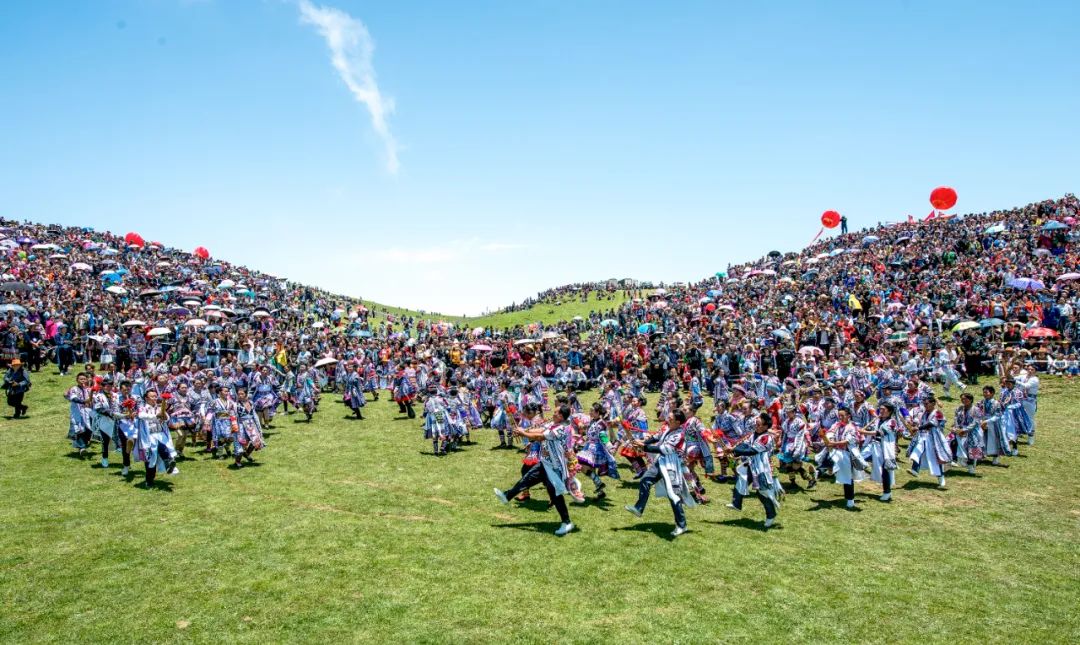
802, 364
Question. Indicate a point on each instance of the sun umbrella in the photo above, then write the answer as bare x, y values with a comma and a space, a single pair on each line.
479, 331
13, 309
1068, 277
526, 341
116, 290
726, 307
134, 323
261, 314
326, 361
577, 318
811, 350
1054, 226
549, 335
704, 301
212, 328
1027, 284
159, 331
318, 325
991, 322
57, 256
713, 293
14, 286
149, 293
966, 325
226, 284
660, 292
481, 348
646, 328
995, 229
870, 239
609, 323
178, 311
782, 333
196, 322
44, 247
1039, 332
768, 272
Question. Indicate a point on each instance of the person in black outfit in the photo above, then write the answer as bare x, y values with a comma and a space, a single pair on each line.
16, 385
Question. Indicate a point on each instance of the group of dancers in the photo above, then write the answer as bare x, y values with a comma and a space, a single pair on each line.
157, 412
811, 428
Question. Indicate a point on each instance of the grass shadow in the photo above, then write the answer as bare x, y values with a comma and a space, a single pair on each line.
914, 484
745, 523
838, 503
537, 527
659, 529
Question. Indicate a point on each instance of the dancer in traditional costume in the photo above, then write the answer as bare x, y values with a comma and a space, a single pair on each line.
595, 456
989, 413
265, 387
551, 469
929, 449
154, 445
80, 428
182, 421
436, 421
666, 470
843, 442
882, 432
223, 410
794, 453
354, 391
104, 420
636, 427
247, 435
755, 470
1015, 420
969, 443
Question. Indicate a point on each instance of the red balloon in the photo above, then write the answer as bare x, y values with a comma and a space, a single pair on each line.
134, 239
201, 252
830, 219
943, 198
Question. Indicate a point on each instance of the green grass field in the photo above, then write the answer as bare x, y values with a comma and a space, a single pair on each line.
348, 531
545, 312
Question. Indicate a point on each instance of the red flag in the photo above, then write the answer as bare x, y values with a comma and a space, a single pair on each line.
931, 216
817, 236
910, 219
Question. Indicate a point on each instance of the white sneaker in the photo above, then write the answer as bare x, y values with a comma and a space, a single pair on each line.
564, 529
679, 530
502, 496
850, 503
174, 471
971, 470
1031, 440
886, 497
124, 472
633, 509
769, 521
734, 508
913, 472
941, 483
104, 462
996, 461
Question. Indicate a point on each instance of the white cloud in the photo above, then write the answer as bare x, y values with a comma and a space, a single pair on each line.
351, 50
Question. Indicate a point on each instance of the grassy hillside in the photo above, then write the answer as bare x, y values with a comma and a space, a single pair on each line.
350, 531
545, 312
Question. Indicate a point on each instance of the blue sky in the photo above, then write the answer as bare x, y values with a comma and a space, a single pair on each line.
537, 143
